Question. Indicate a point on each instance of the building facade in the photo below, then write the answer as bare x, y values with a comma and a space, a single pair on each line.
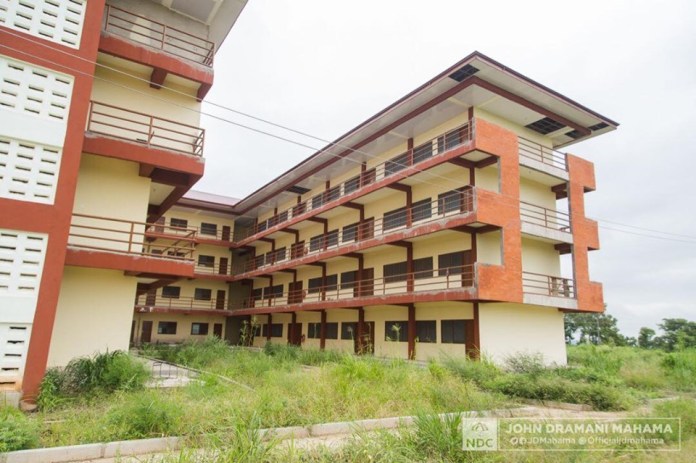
99, 136
448, 223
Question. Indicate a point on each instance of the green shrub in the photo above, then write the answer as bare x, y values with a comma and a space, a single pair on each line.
146, 415
681, 369
103, 373
17, 432
554, 388
283, 352
480, 372
523, 363
680, 408
436, 437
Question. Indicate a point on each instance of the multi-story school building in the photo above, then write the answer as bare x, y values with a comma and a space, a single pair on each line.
448, 223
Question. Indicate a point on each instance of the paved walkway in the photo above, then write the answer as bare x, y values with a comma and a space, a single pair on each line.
166, 375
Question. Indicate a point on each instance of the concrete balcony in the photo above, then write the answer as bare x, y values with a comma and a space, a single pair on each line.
549, 290
108, 243
164, 49
148, 303
445, 147
548, 164
549, 224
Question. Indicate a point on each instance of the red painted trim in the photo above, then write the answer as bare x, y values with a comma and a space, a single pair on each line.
136, 152
55, 220
210, 313
128, 263
132, 51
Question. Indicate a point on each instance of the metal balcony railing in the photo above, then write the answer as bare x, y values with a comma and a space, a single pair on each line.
548, 285
157, 35
537, 152
183, 303
126, 237
548, 218
149, 130
440, 280
452, 204
433, 147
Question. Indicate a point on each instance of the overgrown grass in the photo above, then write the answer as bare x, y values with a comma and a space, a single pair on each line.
285, 392
100, 374
17, 431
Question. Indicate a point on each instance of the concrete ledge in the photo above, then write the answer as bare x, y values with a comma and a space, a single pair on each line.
139, 447
55, 454
291, 432
114, 450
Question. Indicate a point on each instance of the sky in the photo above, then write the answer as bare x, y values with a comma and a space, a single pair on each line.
323, 66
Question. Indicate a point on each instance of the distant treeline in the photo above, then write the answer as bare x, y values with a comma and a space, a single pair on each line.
601, 328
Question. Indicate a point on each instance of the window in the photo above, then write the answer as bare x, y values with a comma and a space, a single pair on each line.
314, 331
166, 328
421, 210
316, 242
332, 282
423, 268
450, 264
451, 201
276, 330
351, 185
395, 218
279, 254
256, 294
394, 272
426, 331
314, 285
396, 331
261, 226
318, 201
171, 292
332, 238
178, 223
332, 330
208, 229
199, 329
206, 261
396, 164
256, 330
422, 152
202, 294
350, 233
273, 292
348, 279
349, 330
453, 331
368, 177
333, 193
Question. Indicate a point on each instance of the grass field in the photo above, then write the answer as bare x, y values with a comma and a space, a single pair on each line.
289, 386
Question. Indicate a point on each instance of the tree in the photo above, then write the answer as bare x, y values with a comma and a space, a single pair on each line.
596, 328
678, 334
645, 338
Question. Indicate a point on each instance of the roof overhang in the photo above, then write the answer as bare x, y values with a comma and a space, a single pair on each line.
219, 15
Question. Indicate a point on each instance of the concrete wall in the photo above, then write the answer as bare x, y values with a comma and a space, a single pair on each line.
512, 329
94, 314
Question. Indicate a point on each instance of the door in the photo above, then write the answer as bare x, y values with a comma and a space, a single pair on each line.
220, 300
367, 229
467, 269
295, 334
297, 250
222, 269
367, 282
217, 330
226, 232
368, 343
132, 335
146, 332
151, 297
295, 292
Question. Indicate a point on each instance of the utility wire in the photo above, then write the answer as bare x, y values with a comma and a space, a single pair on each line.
278, 137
